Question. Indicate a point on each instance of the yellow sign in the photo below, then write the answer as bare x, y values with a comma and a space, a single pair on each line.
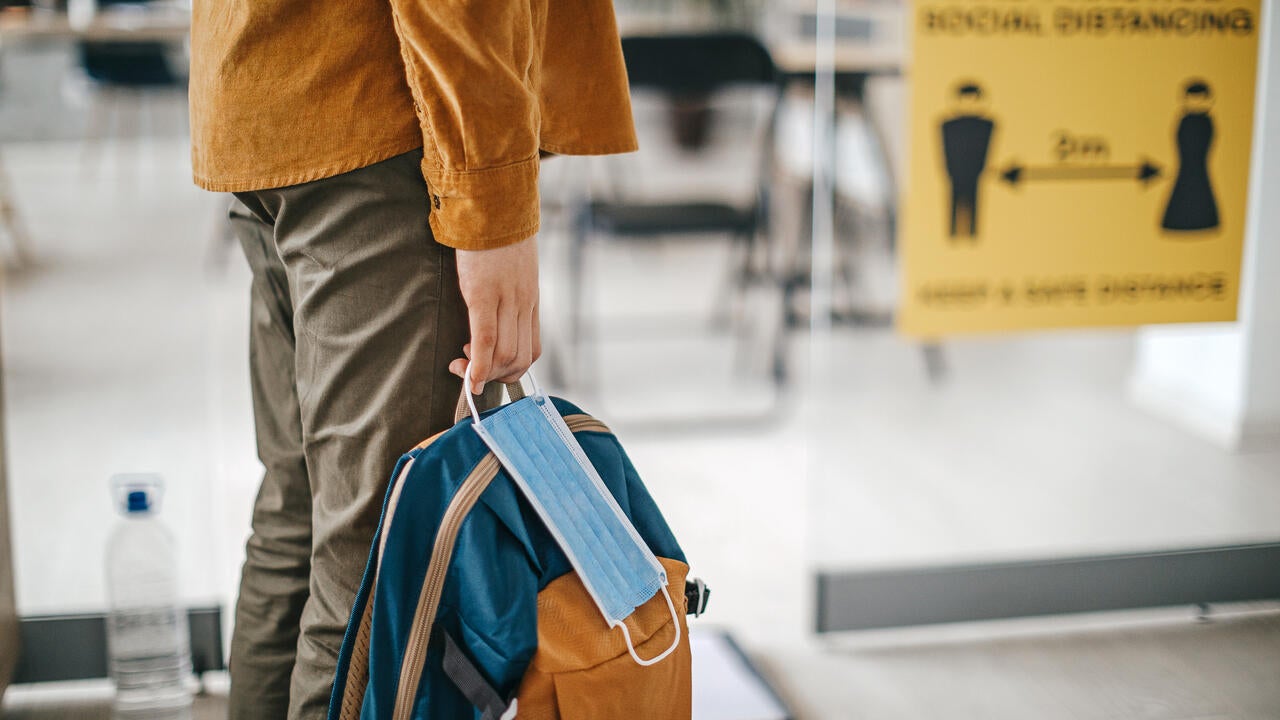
1076, 162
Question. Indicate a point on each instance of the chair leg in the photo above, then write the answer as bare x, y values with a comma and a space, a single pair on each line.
577, 249
756, 266
102, 106
131, 113
795, 271
732, 303
782, 332
746, 277
11, 225
779, 368
131, 137
728, 304
221, 239
935, 362
845, 276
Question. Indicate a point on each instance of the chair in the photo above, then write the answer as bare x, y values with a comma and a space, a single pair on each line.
682, 67
120, 71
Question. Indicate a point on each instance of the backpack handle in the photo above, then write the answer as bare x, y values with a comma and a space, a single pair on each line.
467, 401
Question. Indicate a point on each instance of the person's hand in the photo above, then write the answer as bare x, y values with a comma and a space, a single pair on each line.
500, 287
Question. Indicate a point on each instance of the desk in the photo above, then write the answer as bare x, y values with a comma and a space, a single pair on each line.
875, 47
161, 24
798, 58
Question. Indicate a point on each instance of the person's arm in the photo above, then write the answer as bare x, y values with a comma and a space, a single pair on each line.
468, 64
501, 290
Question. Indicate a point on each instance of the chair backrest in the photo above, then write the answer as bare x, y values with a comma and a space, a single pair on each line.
697, 63
128, 63
697, 66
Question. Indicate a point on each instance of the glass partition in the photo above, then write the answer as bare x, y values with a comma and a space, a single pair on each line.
727, 299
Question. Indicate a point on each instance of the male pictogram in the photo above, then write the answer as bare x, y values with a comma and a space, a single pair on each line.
966, 140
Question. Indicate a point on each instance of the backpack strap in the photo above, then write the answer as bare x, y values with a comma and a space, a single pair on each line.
358, 667
470, 681
415, 654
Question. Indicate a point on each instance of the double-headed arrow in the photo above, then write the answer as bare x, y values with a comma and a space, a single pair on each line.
1144, 172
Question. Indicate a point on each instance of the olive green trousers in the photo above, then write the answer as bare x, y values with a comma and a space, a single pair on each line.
356, 314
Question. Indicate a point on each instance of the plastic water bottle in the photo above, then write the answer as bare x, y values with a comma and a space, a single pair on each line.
148, 643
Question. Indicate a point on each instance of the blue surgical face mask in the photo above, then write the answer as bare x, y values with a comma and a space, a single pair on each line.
538, 450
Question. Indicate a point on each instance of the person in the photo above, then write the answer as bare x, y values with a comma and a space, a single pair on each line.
384, 157
966, 140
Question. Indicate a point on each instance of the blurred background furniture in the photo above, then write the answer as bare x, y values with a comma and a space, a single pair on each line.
116, 21
868, 63
688, 69
126, 54
14, 252
122, 56
868, 48
124, 74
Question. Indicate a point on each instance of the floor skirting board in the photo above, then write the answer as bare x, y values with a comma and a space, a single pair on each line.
74, 647
885, 598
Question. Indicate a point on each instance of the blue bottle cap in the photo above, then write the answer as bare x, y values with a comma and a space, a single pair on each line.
138, 502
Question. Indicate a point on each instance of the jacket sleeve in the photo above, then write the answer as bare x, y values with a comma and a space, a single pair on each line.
470, 66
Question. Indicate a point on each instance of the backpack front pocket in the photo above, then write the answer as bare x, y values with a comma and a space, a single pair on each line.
582, 670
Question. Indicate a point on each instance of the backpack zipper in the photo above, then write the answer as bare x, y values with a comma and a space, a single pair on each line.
463, 501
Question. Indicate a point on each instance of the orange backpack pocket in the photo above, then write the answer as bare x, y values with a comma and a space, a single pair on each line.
582, 670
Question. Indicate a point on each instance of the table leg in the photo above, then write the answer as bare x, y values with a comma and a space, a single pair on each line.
11, 225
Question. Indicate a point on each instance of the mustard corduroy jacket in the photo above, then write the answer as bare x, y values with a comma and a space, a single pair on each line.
289, 91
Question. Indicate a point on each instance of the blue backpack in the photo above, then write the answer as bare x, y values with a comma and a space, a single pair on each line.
469, 609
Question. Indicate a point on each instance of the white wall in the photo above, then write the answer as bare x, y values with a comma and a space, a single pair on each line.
1193, 374
1261, 300
1223, 381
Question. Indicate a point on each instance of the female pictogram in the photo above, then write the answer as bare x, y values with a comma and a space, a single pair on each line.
1192, 205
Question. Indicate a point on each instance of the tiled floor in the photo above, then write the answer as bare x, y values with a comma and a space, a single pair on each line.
125, 350
1221, 670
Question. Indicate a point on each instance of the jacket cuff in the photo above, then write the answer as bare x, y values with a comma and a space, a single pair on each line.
484, 209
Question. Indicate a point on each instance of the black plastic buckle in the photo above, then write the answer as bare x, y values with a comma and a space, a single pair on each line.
696, 594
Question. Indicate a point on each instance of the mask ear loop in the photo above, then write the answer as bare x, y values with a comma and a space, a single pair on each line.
674, 644
471, 399
533, 383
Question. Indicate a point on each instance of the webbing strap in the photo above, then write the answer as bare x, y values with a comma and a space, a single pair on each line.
467, 677
514, 391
